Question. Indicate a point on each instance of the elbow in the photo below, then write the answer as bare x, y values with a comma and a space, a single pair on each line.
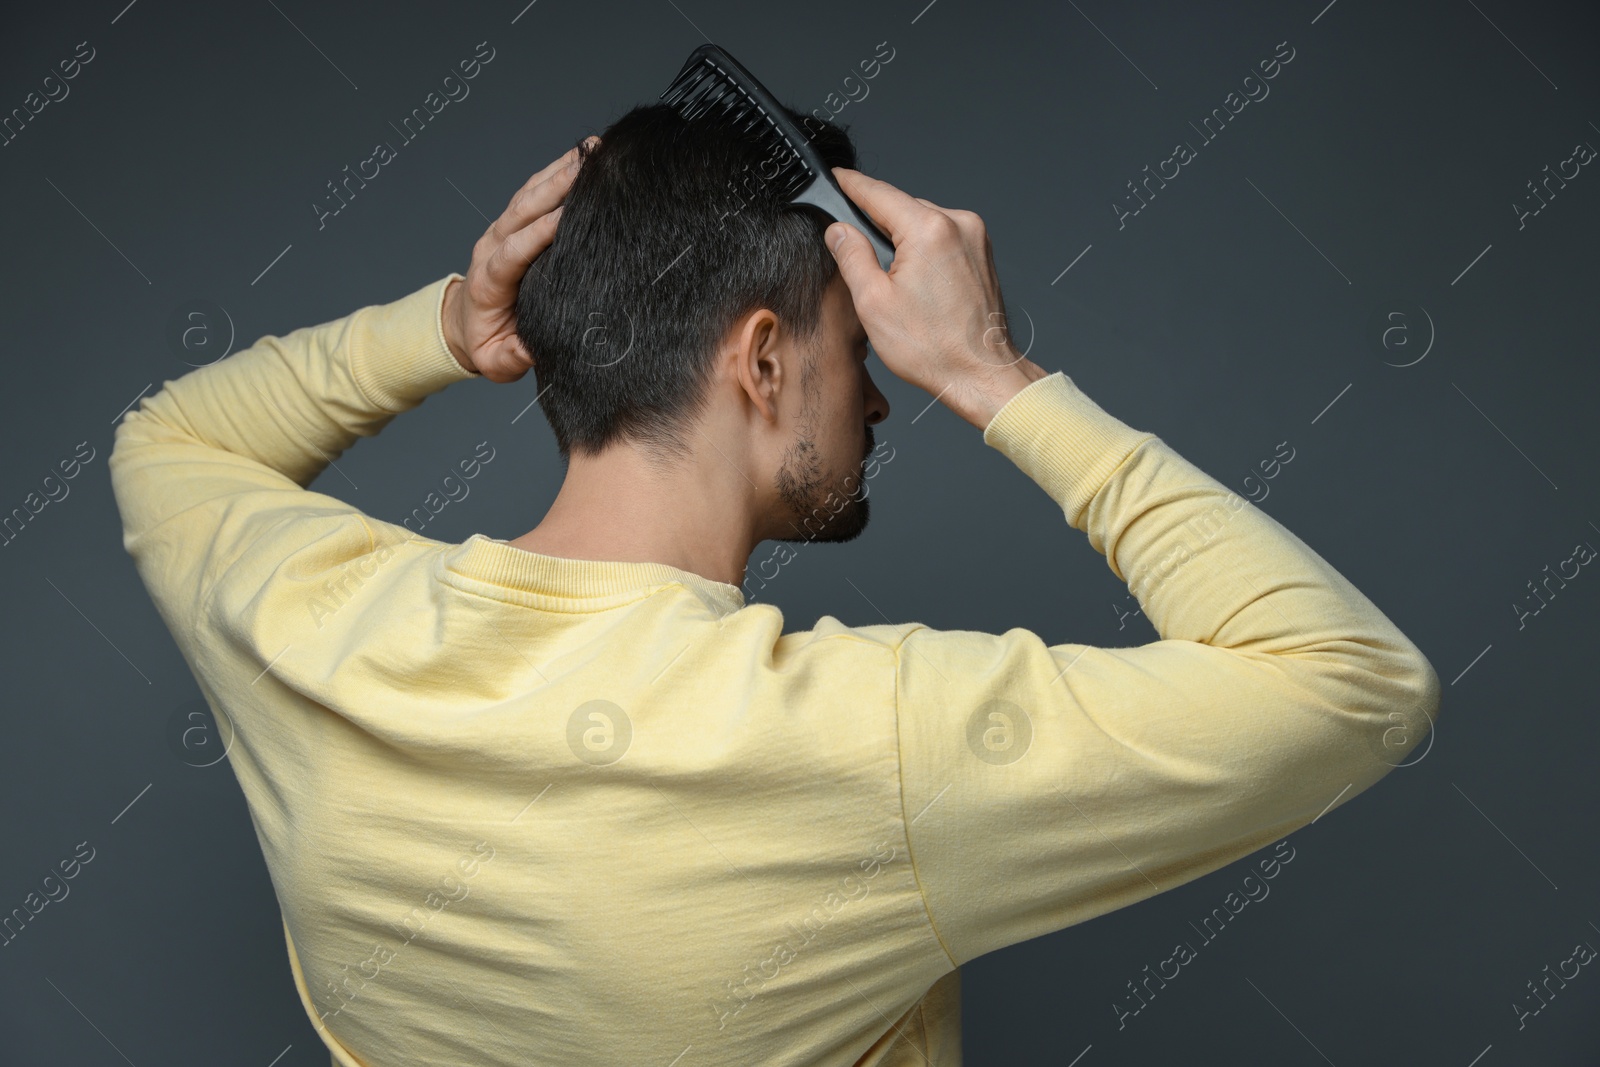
1401, 733
1425, 692
1382, 708
127, 434
1420, 683
1429, 691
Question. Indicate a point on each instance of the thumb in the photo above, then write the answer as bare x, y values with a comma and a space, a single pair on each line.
855, 257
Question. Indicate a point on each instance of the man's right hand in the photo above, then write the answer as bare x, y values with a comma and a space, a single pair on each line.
935, 317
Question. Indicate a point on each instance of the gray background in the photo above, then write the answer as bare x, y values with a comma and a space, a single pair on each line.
1233, 313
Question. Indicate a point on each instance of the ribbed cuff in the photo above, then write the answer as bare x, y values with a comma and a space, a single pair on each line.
1063, 440
398, 354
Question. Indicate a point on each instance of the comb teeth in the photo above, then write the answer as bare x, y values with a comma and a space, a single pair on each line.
705, 94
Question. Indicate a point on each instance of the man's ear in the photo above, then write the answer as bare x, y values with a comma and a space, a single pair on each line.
757, 361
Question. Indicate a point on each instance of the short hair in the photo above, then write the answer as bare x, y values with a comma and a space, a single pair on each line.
670, 232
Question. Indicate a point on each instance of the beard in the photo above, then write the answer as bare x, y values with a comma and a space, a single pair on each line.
832, 509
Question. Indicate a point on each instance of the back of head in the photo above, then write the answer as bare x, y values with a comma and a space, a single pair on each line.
669, 234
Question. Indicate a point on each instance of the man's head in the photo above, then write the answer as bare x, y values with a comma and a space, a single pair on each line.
685, 313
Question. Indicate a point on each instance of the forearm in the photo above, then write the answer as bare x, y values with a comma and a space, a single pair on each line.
1206, 565
295, 402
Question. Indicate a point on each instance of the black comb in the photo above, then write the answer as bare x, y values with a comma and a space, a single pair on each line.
714, 88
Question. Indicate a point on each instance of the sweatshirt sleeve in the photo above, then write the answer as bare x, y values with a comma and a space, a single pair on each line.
1045, 785
219, 458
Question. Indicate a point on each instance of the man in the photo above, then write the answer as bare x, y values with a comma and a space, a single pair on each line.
568, 798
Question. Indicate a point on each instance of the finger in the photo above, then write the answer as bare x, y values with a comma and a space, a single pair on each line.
508, 361
858, 263
894, 212
505, 266
554, 167
543, 191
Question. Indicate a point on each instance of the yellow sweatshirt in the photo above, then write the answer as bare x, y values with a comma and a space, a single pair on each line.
525, 809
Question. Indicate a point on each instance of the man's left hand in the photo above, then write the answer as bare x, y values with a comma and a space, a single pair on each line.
480, 314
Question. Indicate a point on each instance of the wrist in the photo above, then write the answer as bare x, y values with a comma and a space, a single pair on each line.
983, 397
449, 322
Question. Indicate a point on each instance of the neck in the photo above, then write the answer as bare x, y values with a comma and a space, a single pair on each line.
615, 507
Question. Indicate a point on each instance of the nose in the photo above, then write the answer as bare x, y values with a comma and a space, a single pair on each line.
877, 403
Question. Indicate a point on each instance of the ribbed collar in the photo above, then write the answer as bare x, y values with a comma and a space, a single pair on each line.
495, 568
